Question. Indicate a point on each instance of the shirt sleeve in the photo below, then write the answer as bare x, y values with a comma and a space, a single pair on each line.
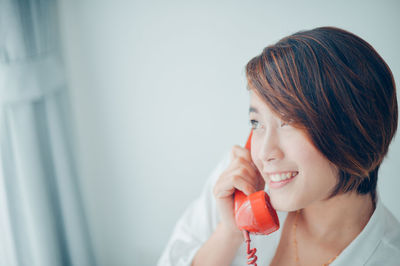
196, 224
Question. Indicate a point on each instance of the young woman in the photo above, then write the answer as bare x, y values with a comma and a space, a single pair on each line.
323, 111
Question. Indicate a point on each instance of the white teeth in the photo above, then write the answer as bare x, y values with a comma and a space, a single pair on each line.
280, 177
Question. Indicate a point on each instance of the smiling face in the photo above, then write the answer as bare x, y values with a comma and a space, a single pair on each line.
296, 173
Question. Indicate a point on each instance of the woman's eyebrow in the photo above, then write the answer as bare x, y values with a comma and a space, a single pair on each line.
252, 109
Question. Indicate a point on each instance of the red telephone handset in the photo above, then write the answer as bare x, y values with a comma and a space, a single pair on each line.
254, 214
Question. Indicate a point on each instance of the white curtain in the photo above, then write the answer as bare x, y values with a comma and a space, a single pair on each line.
42, 221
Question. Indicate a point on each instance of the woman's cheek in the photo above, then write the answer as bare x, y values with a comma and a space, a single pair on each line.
255, 159
301, 150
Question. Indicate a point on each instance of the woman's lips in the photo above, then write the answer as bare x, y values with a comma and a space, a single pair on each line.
279, 184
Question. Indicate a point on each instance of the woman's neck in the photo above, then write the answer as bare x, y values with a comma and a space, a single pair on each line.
337, 219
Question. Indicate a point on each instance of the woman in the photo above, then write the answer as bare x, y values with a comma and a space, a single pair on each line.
323, 111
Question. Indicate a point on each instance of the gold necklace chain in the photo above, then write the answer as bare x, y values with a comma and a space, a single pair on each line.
297, 260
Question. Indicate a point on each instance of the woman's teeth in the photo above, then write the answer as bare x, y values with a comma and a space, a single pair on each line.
280, 177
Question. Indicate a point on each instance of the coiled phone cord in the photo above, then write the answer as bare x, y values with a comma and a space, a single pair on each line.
251, 253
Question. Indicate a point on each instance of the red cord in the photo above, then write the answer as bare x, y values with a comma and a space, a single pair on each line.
251, 258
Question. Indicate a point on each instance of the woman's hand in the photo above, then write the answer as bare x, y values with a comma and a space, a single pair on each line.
241, 174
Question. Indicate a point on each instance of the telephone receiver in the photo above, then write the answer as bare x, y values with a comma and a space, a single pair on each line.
254, 213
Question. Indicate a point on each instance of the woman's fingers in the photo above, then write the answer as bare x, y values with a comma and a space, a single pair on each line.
238, 179
248, 166
240, 152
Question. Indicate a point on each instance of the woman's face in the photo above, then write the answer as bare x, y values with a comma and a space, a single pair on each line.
281, 151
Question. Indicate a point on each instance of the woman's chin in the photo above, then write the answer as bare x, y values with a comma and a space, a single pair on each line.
282, 205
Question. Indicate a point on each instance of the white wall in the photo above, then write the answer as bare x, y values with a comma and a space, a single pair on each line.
158, 94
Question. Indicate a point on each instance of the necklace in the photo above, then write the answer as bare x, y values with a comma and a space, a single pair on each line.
297, 260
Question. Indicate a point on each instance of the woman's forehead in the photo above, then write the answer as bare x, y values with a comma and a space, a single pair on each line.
259, 107
257, 103
255, 98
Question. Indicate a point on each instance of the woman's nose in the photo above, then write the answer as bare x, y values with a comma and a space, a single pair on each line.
270, 148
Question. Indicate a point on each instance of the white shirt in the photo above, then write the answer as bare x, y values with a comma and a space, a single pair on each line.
377, 244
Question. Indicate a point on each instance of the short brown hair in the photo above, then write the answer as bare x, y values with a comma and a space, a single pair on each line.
333, 85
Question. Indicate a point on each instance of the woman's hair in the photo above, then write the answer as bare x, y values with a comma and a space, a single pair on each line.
336, 88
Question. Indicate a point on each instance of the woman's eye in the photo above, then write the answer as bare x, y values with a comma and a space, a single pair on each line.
286, 123
253, 123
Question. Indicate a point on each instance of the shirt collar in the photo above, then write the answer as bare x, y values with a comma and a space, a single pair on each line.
362, 247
